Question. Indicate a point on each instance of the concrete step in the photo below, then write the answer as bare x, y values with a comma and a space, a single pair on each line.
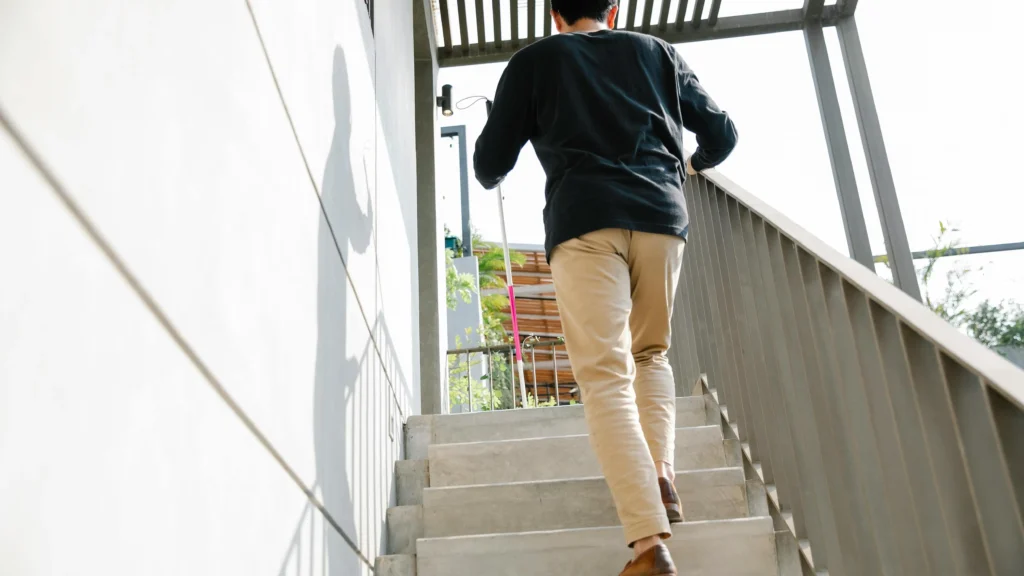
423, 431
741, 547
395, 565
715, 494
411, 477
560, 458
405, 527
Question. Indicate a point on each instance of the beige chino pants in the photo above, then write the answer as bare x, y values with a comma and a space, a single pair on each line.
615, 290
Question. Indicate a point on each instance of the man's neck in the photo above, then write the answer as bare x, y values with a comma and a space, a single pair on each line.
586, 25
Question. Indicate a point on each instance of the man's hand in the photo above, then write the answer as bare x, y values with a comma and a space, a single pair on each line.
689, 167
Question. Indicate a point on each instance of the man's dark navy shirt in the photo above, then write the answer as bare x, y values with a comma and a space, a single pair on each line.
605, 112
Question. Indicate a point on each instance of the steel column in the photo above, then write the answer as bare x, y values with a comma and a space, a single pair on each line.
429, 243
895, 234
838, 149
467, 229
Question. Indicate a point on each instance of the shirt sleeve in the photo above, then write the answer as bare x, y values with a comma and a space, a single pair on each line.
715, 131
509, 126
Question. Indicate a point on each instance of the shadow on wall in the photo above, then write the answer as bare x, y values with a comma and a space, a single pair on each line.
357, 417
337, 374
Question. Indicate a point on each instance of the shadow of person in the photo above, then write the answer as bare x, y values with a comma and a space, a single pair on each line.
348, 230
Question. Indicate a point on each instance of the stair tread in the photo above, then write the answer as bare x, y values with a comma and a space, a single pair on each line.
736, 547
520, 424
591, 536
562, 457
710, 494
726, 475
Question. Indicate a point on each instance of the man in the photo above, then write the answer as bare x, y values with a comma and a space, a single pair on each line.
605, 111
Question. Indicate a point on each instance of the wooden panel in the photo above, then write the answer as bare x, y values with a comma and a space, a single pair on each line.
553, 326
537, 307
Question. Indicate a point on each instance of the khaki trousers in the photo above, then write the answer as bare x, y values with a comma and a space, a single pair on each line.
615, 290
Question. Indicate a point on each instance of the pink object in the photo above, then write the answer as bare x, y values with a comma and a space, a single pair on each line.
515, 322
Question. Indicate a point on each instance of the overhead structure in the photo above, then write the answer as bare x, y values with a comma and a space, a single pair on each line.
486, 31
465, 37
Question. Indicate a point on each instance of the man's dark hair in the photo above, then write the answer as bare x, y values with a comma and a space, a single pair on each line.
574, 10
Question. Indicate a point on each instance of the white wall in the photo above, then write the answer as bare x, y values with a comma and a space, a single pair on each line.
163, 123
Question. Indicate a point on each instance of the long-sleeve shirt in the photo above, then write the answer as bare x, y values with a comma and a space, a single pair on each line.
605, 112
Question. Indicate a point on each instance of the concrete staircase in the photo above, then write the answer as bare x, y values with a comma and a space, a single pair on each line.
520, 493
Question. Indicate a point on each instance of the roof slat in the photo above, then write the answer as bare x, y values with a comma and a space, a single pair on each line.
663, 21
531, 19
648, 13
481, 23
446, 27
547, 18
716, 7
496, 10
631, 16
698, 13
513, 10
463, 27
681, 15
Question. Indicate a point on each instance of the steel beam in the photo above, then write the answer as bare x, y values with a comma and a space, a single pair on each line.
463, 27
962, 251
838, 149
513, 14
481, 23
847, 7
698, 13
678, 33
645, 23
716, 7
531, 20
631, 16
663, 20
681, 15
446, 29
467, 229
813, 9
496, 16
893, 230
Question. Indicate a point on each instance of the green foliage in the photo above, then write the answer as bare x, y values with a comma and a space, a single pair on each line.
498, 376
993, 325
492, 275
997, 325
956, 291
457, 286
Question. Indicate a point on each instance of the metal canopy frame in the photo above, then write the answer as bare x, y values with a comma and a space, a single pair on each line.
469, 46
693, 23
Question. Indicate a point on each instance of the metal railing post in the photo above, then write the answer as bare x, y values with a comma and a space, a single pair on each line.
885, 438
554, 360
490, 377
533, 358
469, 380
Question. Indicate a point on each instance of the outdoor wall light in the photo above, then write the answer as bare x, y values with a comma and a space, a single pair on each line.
444, 101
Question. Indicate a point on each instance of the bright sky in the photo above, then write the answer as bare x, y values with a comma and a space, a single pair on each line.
949, 100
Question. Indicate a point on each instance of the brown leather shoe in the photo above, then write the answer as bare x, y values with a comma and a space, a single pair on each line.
670, 499
654, 562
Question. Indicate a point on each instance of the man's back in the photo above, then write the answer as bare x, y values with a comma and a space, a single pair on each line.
605, 112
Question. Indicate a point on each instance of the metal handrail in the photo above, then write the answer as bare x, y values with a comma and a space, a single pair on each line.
508, 347
468, 367
888, 442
